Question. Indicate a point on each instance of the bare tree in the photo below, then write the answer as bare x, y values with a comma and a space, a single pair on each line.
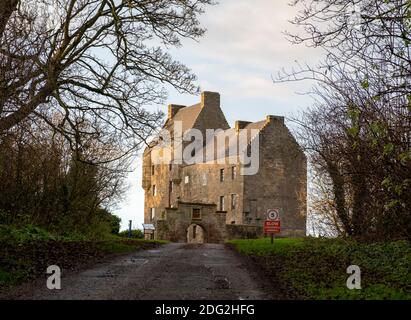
358, 133
102, 61
44, 183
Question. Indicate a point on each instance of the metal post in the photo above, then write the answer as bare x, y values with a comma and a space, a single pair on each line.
129, 228
272, 238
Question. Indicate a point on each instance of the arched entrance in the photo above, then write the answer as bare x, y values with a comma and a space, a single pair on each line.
195, 234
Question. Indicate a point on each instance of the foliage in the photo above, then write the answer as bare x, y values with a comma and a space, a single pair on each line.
135, 234
28, 233
112, 220
358, 132
47, 185
124, 246
315, 268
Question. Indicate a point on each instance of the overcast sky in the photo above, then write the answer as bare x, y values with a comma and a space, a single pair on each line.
244, 47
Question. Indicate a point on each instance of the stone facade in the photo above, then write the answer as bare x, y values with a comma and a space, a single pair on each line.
212, 201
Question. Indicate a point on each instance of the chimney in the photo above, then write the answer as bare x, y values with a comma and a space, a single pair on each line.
210, 99
173, 109
274, 119
241, 124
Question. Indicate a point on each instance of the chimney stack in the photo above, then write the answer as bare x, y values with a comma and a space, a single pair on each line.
241, 124
210, 99
274, 119
173, 109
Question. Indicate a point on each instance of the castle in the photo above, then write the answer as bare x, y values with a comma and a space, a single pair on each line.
211, 199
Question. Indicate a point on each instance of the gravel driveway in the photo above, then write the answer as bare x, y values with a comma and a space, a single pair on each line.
173, 271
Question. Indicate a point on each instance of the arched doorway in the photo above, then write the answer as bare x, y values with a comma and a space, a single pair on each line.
195, 234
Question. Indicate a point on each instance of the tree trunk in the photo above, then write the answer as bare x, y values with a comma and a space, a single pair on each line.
339, 195
16, 117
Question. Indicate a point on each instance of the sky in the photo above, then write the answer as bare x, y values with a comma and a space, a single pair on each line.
243, 49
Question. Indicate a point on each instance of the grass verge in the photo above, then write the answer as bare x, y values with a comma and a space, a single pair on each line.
312, 268
26, 253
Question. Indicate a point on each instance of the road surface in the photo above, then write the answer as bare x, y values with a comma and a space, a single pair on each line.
173, 271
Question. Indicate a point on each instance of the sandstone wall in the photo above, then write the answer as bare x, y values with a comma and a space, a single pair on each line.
281, 181
174, 225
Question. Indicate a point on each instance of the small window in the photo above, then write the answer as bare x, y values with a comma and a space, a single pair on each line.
233, 201
233, 172
170, 166
221, 175
152, 214
196, 213
154, 190
152, 169
170, 186
186, 179
222, 203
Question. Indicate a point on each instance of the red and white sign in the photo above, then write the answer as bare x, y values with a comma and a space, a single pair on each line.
272, 226
273, 214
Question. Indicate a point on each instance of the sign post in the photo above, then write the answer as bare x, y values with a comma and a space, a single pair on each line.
129, 229
272, 225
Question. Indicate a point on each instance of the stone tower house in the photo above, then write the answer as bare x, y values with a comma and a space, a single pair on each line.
211, 200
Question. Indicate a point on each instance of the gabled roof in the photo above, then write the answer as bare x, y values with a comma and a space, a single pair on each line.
256, 125
232, 136
187, 115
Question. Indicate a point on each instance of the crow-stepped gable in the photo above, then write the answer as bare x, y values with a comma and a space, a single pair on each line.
211, 201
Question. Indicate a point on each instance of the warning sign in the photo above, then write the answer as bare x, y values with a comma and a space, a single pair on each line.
273, 214
272, 226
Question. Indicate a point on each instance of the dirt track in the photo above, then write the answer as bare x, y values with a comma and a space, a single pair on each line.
173, 271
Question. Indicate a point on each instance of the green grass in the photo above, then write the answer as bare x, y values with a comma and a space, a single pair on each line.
26, 252
263, 246
316, 268
122, 245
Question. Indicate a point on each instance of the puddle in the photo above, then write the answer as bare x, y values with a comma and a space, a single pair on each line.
221, 282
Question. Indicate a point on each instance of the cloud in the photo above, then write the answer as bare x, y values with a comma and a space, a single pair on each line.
243, 47
250, 33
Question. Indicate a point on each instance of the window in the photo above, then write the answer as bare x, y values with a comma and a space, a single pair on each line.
233, 172
221, 175
152, 214
170, 186
233, 201
154, 190
152, 170
170, 166
222, 203
186, 179
196, 213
